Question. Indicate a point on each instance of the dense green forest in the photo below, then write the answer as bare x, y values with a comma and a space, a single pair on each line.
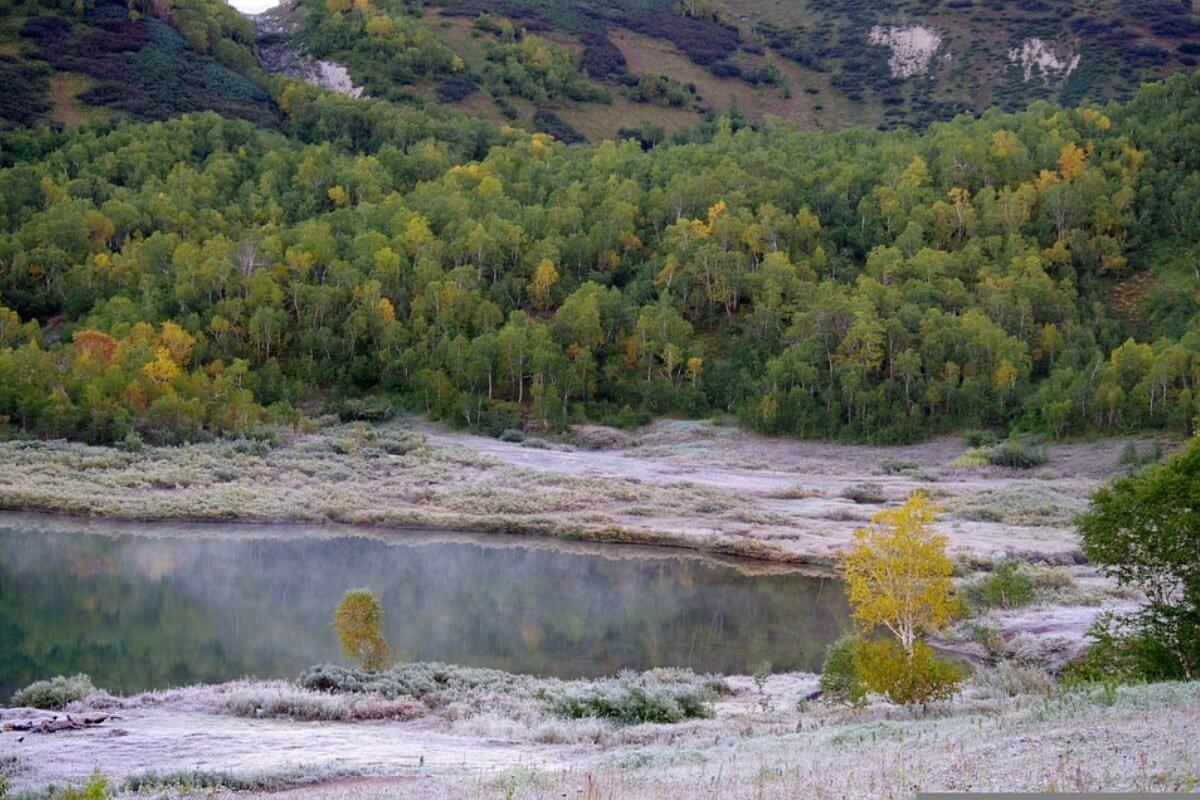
207, 275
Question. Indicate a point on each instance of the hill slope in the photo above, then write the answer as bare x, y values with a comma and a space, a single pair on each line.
595, 68
1031, 269
68, 66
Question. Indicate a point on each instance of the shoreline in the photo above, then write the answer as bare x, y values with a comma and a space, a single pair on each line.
678, 485
409, 535
243, 740
675, 491
521, 535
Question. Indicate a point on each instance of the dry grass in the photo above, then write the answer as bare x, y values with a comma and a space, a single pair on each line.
386, 475
674, 483
1138, 738
64, 89
1022, 502
1011, 729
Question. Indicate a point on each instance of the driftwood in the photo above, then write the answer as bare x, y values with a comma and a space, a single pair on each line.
67, 722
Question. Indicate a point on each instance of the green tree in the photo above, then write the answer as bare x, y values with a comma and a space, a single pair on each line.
1144, 530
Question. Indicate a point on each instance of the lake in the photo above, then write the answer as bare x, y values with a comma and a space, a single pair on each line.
168, 605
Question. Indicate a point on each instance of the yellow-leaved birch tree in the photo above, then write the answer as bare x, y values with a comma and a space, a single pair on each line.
898, 574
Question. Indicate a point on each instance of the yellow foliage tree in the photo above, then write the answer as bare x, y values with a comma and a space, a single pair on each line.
543, 280
339, 197
162, 369
358, 623
380, 25
898, 574
1070, 161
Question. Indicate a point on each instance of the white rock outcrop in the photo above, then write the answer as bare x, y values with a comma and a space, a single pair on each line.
1036, 55
912, 47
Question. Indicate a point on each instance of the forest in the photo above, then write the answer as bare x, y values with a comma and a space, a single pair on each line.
205, 275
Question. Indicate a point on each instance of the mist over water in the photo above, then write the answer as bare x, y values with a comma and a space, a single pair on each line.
140, 612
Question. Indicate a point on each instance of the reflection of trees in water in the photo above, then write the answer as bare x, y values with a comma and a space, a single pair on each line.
136, 612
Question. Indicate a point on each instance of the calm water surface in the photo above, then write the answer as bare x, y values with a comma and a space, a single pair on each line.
145, 611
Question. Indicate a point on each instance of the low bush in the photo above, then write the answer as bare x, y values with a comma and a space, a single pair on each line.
601, 59
1123, 654
456, 89
1017, 454
422, 681
839, 679
94, 788
302, 704
896, 466
54, 694
661, 695
918, 678
631, 699
1009, 585
980, 438
22, 92
1013, 680
864, 493
373, 408
1133, 458
547, 121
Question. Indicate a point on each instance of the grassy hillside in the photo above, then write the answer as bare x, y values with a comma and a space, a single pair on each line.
594, 67
70, 65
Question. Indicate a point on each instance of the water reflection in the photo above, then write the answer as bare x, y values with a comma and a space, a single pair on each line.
139, 611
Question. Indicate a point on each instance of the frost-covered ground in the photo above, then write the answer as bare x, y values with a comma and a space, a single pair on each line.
691, 484
760, 743
686, 484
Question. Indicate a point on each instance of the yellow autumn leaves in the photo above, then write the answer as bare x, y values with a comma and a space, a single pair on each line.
898, 575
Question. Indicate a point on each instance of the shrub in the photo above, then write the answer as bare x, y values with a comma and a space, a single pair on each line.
1132, 458
980, 438
863, 493
55, 693
632, 699
132, 443
1009, 585
1121, 656
839, 680
358, 622
1012, 680
94, 788
429, 681
364, 409
896, 466
547, 121
918, 678
601, 59
1017, 454
456, 89
309, 705
22, 92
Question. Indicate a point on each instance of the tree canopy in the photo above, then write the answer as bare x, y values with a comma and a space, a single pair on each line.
1031, 269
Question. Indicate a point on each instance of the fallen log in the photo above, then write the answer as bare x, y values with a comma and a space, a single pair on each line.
55, 724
